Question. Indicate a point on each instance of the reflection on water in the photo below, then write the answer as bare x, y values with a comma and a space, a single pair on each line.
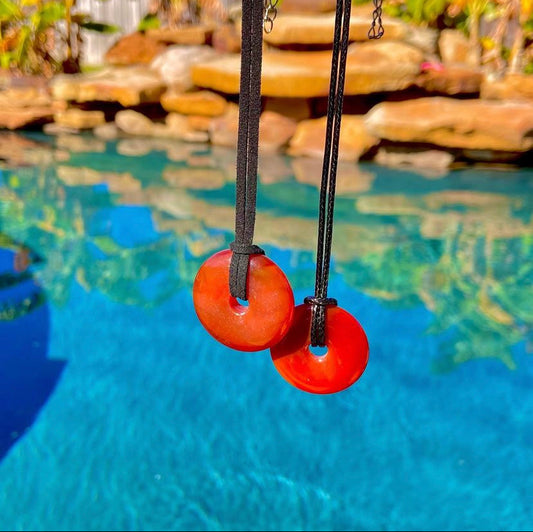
460, 245
27, 375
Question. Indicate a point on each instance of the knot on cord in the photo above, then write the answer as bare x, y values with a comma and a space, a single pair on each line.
321, 301
246, 249
238, 269
318, 321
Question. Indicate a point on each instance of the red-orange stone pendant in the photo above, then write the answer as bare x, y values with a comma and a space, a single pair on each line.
339, 368
261, 324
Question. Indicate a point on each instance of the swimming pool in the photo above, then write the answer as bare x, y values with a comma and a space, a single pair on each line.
137, 420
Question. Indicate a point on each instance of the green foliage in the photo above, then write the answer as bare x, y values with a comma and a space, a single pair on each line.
100, 27
30, 30
424, 12
149, 22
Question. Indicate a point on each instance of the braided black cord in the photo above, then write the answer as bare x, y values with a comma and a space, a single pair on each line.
329, 173
247, 146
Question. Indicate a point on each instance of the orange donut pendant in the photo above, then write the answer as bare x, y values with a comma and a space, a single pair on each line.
261, 324
339, 368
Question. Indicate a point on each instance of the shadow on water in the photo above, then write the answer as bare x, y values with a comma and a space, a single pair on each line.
27, 376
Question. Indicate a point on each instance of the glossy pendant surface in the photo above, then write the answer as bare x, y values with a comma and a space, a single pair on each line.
344, 362
259, 325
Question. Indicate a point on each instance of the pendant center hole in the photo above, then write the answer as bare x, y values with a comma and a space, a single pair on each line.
318, 351
239, 306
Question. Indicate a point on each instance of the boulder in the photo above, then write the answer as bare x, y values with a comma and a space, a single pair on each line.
451, 80
455, 49
136, 48
226, 39
223, 130
310, 135
201, 103
23, 106
197, 34
134, 123
307, 6
295, 108
173, 65
467, 124
199, 123
178, 126
129, 86
107, 131
275, 130
79, 119
19, 117
517, 87
318, 29
371, 67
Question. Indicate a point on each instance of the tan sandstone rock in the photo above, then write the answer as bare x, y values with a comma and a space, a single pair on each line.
517, 87
133, 49
223, 130
371, 67
173, 66
307, 6
20, 107
79, 119
275, 130
468, 124
197, 34
452, 80
201, 103
134, 123
455, 49
309, 138
128, 86
319, 28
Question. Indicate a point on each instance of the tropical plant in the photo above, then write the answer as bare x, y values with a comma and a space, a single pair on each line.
33, 33
174, 13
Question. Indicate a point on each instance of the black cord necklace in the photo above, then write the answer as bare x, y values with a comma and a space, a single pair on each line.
230, 278
243, 273
319, 321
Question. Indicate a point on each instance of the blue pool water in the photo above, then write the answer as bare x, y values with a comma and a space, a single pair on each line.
119, 412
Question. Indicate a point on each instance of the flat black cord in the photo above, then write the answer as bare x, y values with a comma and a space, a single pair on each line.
329, 173
247, 146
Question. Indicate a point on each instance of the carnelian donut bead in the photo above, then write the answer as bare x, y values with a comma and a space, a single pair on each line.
339, 368
261, 324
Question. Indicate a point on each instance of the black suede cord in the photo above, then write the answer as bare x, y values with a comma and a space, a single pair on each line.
247, 146
329, 174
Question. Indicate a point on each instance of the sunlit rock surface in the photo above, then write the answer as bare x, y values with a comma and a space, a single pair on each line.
133, 49
313, 29
517, 87
79, 119
471, 124
202, 103
310, 135
128, 86
371, 67
20, 107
